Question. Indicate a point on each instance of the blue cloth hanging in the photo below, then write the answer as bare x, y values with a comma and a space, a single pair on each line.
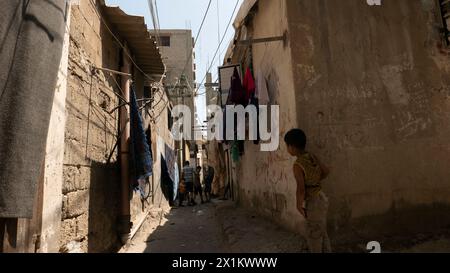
141, 162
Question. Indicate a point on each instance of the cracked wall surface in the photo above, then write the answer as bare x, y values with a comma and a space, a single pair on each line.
370, 87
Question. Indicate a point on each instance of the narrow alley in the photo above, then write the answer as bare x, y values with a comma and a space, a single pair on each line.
302, 128
182, 230
216, 227
222, 227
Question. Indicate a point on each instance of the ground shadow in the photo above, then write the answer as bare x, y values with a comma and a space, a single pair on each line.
190, 229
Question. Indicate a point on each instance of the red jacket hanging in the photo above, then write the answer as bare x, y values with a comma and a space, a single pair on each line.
249, 85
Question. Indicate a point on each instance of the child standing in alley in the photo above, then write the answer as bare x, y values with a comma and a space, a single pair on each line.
181, 193
188, 176
311, 201
197, 184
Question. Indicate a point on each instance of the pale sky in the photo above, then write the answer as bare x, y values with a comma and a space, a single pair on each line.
182, 14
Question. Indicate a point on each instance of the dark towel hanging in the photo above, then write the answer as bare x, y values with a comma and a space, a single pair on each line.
141, 162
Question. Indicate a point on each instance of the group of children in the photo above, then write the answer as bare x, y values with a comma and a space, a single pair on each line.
191, 187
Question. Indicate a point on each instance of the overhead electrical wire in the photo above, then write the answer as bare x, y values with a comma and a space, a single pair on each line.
124, 48
218, 48
118, 41
193, 46
157, 15
155, 19
196, 38
218, 26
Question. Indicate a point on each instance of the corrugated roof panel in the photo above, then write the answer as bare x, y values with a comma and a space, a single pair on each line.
142, 45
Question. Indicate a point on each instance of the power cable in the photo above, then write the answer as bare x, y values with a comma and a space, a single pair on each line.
223, 37
196, 38
154, 20
157, 15
120, 44
193, 46
125, 50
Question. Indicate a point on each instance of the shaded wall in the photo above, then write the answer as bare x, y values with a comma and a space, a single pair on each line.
372, 89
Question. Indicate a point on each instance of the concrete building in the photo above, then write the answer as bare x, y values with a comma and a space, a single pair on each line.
177, 50
370, 86
85, 200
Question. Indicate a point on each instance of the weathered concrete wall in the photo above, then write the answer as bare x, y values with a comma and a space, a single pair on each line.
53, 172
370, 86
264, 179
82, 173
91, 185
372, 89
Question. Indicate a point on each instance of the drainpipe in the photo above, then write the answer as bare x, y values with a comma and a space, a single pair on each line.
125, 215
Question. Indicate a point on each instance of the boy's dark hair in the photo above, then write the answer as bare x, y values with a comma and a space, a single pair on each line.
199, 168
296, 138
186, 163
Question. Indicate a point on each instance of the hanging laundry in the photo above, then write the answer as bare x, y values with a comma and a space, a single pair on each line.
237, 93
141, 188
172, 169
176, 181
249, 84
148, 134
237, 96
166, 182
141, 162
170, 160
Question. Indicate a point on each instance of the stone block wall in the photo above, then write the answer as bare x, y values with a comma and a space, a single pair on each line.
91, 183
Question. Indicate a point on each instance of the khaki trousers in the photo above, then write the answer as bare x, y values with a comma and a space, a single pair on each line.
316, 224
